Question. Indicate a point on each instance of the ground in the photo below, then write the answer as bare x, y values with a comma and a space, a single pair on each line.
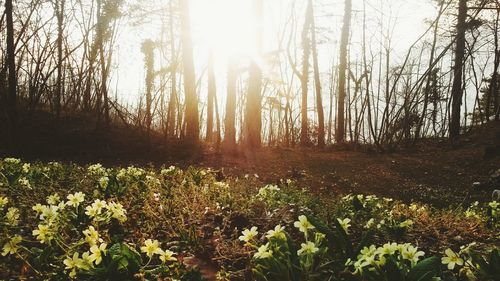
433, 171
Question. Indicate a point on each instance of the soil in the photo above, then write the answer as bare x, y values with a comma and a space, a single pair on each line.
433, 171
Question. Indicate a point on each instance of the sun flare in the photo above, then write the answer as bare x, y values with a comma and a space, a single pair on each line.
224, 27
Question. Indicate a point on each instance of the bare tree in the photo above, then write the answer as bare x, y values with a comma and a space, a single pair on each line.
340, 133
191, 110
457, 90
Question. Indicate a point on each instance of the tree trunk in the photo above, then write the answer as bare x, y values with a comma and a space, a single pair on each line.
344, 40
317, 82
457, 90
59, 87
148, 50
11, 64
253, 112
494, 78
304, 78
210, 98
230, 120
191, 110
171, 112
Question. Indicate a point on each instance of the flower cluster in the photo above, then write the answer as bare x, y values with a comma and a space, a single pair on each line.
152, 247
372, 258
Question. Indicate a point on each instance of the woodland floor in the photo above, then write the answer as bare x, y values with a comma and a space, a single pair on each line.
431, 172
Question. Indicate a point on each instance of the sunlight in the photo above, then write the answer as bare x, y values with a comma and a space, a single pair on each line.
225, 27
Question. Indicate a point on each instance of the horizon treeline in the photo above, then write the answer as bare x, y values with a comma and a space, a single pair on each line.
58, 56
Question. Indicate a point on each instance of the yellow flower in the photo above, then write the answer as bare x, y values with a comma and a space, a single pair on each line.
38, 208
96, 208
91, 235
406, 223
412, 254
96, 253
75, 199
12, 216
24, 182
167, 255
43, 233
263, 252
303, 224
73, 263
117, 211
11, 246
345, 224
86, 261
307, 248
451, 259
3, 201
248, 234
53, 199
369, 223
278, 233
151, 247
103, 182
493, 204
91, 211
387, 249
367, 252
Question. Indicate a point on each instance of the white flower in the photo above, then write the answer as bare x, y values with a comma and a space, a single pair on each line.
263, 252
451, 259
75, 199
307, 248
248, 234
303, 224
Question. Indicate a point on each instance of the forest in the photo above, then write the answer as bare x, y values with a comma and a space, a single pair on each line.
250, 140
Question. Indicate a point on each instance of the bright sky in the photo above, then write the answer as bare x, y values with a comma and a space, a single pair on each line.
226, 27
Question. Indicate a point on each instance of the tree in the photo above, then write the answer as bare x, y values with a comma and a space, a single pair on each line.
212, 88
317, 81
344, 40
11, 64
191, 111
457, 90
253, 111
171, 111
230, 120
148, 51
59, 11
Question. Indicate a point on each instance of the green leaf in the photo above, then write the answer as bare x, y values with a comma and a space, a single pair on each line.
424, 270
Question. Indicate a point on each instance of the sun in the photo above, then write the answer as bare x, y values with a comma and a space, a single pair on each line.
224, 27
